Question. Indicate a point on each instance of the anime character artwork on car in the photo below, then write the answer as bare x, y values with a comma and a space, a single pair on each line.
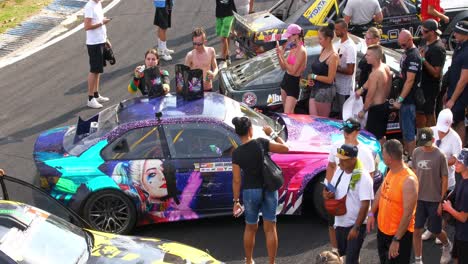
166, 159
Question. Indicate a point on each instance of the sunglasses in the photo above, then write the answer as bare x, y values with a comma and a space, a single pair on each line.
437, 143
197, 43
348, 125
426, 31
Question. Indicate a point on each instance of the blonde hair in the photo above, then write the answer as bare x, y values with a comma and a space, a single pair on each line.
374, 32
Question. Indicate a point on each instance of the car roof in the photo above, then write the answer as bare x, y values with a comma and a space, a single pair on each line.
212, 105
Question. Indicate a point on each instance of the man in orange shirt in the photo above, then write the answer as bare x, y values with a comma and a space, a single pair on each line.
432, 9
396, 203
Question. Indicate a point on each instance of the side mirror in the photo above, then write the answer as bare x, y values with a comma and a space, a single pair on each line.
121, 147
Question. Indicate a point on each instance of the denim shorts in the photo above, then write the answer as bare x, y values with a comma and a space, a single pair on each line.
408, 121
258, 201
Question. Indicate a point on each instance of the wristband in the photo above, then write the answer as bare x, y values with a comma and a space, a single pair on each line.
396, 239
370, 214
314, 76
274, 136
423, 59
400, 99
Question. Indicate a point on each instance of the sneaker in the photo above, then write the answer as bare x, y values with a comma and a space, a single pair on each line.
94, 104
228, 62
446, 256
161, 52
438, 242
426, 235
170, 51
222, 65
165, 56
102, 99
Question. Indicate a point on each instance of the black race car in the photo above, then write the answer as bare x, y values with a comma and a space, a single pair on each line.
258, 32
256, 81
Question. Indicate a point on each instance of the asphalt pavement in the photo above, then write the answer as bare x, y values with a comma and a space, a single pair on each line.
49, 89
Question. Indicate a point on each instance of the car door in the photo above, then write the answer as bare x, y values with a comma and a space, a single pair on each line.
136, 162
201, 154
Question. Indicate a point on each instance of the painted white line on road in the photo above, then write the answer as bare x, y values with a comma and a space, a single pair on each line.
31, 51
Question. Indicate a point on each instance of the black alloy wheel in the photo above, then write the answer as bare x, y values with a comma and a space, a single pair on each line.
110, 211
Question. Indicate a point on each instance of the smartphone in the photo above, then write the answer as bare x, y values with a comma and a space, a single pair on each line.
328, 186
239, 211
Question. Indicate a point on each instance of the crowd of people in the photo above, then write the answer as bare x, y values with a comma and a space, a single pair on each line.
421, 178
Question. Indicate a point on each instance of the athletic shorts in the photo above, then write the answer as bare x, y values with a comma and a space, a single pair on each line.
458, 111
162, 17
408, 121
428, 211
377, 120
459, 250
223, 26
258, 201
290, 85
96, 58
323, 94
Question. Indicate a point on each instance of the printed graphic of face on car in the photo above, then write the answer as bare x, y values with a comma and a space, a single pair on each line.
195, 84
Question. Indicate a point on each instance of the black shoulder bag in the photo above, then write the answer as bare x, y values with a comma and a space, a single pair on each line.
271, 173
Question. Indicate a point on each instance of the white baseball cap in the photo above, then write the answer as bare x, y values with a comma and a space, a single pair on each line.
444, 120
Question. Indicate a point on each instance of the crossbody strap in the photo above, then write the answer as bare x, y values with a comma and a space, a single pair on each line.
339, 180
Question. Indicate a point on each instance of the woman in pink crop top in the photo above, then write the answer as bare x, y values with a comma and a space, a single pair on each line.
294, 66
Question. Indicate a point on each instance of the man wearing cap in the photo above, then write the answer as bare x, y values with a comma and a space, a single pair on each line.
430, 166
432, 9
459, 210
351, 128
457, 94
448, 141
396, 203
346, 71
354, 182
433, 60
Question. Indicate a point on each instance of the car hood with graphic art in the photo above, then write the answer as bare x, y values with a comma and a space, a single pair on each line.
25, 228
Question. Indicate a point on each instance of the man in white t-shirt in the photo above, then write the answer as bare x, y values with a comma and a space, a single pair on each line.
96, 37
449, 142
354, 182
351, 128
346, 72
362, 12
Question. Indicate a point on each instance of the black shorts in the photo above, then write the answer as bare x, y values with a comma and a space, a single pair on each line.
290, 85
331, 220
459, 251
429, 106
458, 111
162, 17
383, 245
96, 58
427, 211
377, 120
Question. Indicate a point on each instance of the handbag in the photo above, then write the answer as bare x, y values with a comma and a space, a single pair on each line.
108, 54
336, 207
272, 174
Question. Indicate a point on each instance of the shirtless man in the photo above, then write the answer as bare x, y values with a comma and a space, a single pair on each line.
378, 89
203, 58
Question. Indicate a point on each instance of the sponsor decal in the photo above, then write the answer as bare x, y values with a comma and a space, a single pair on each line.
249, 99
273, 98
213, 166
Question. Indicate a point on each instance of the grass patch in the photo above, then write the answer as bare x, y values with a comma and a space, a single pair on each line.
13, 12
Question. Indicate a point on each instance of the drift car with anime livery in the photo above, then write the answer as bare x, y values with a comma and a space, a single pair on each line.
166, 159
256, 81
31, 235
258, 32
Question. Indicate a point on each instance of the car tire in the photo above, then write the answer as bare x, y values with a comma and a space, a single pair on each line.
110, 211
318, 198
451, 43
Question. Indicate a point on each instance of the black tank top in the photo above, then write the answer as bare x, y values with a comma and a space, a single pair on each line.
320, 68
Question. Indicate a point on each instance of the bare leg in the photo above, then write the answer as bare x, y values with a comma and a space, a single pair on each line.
249, 241
417, 242
93, 78
162, 34
332, 236
430, 120
96, 85
251, 6
224, 47
283, 98
290, 105
442, 236
271, 238
460, 129
312, 107
323, 109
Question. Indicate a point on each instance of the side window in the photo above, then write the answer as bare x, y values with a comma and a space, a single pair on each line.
140, 143
397, 7
198, 141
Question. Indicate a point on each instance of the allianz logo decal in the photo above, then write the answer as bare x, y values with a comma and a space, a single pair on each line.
273, 98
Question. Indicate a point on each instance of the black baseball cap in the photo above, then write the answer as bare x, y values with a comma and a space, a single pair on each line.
425, 137
347, 151
350, 125
432, 25
461, 27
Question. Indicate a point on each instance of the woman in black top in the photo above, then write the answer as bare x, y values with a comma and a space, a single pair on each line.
323, 74
248, 158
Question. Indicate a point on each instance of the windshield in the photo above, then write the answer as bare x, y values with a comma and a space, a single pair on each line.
107, 120
46, 239
259, 69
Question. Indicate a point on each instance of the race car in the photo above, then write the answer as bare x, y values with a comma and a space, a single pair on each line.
34, 236
258, 32
256, 81
153, 160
